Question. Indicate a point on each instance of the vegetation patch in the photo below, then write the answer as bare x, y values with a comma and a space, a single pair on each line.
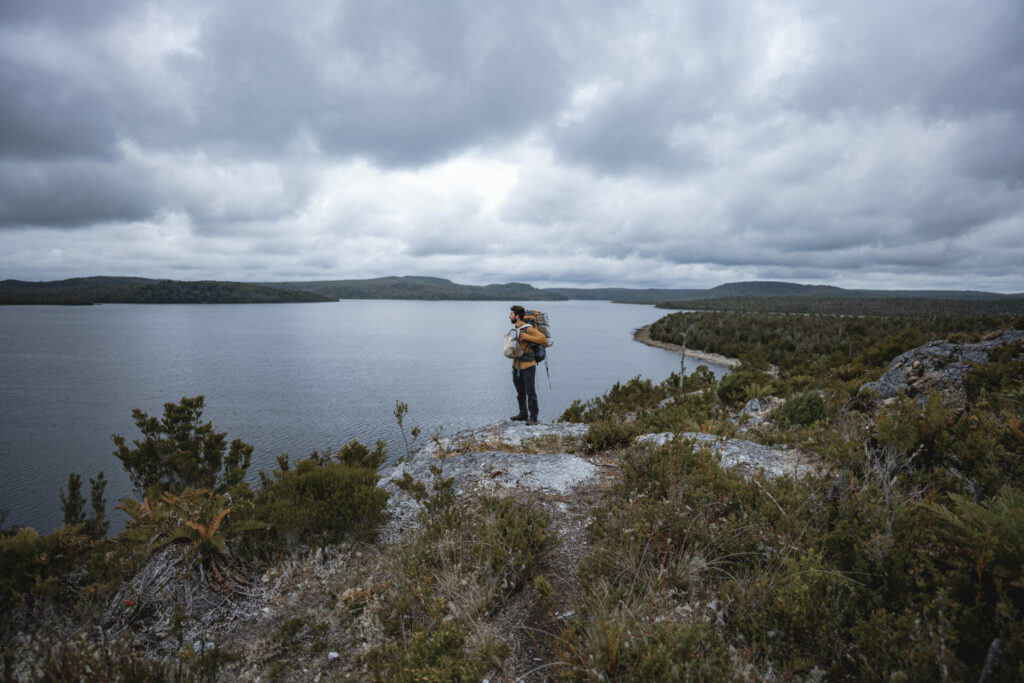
902, 562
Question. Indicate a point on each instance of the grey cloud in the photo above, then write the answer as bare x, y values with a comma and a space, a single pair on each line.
945, 59
45, 117
400, 83
72, 194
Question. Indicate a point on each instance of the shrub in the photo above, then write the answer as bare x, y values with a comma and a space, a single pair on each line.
358, 455
604, 436
735, 388
31, 566
685, 414
198, 517
179, 452
323, 501
801, 410
72, 504
434, 656
634, 396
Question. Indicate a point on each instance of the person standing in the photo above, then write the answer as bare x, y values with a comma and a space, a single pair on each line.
524, 369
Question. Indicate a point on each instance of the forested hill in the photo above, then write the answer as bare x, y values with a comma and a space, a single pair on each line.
911, 307
683, 298
133, 290
423, 288
763, 296
790, 289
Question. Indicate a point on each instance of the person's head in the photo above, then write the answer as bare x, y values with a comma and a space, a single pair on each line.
518, 313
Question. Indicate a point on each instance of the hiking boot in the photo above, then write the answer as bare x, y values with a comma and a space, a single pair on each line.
532, 421
521, 417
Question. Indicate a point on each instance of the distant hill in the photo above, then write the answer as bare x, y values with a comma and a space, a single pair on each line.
133, 290
913, 307
627, 296
422, 288
790, 289
769, 288
779, 296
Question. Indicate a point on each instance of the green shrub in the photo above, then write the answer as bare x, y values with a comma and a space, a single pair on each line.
982, 547
322, 502
737, 388
33, 566
801, 410
179, 452
199, 518
436, 655
357, 454
700, 378
603, 436
691, 413
634, 396
73, 505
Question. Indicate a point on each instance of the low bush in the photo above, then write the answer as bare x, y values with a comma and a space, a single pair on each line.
800, 410
323, 501
603, 436
746, 383
635, 395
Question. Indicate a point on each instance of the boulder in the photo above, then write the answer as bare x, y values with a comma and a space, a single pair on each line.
756, 411
481, 460
938, 366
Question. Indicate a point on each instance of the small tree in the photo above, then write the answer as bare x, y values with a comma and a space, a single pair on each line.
180, 452
97, 524
72, 504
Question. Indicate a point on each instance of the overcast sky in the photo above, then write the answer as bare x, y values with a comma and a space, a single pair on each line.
684, 143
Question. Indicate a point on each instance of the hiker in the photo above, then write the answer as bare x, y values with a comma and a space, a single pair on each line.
524, 369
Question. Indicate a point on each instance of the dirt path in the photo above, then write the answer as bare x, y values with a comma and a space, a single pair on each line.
643, 335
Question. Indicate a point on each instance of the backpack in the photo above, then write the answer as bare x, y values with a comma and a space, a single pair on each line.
511, 348
539, 320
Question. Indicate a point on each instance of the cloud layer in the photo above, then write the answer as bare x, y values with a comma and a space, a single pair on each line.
862, 144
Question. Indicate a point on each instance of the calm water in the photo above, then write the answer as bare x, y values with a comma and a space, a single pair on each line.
286, 378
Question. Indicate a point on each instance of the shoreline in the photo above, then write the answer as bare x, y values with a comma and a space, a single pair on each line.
643, 335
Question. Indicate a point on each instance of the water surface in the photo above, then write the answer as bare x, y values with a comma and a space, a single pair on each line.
286, 378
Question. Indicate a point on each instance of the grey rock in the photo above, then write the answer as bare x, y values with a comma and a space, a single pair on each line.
744, 456
756, 410
939, 366
477, 462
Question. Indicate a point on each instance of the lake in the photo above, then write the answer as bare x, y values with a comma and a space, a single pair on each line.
286, 378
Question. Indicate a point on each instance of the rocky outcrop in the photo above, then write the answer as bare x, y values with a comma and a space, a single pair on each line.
487, 460
938, 366
533, 458
746, 457
756, 411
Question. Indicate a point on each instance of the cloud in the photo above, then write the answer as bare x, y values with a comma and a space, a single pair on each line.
659, 144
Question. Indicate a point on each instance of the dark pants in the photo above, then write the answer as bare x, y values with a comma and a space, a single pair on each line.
526, 390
